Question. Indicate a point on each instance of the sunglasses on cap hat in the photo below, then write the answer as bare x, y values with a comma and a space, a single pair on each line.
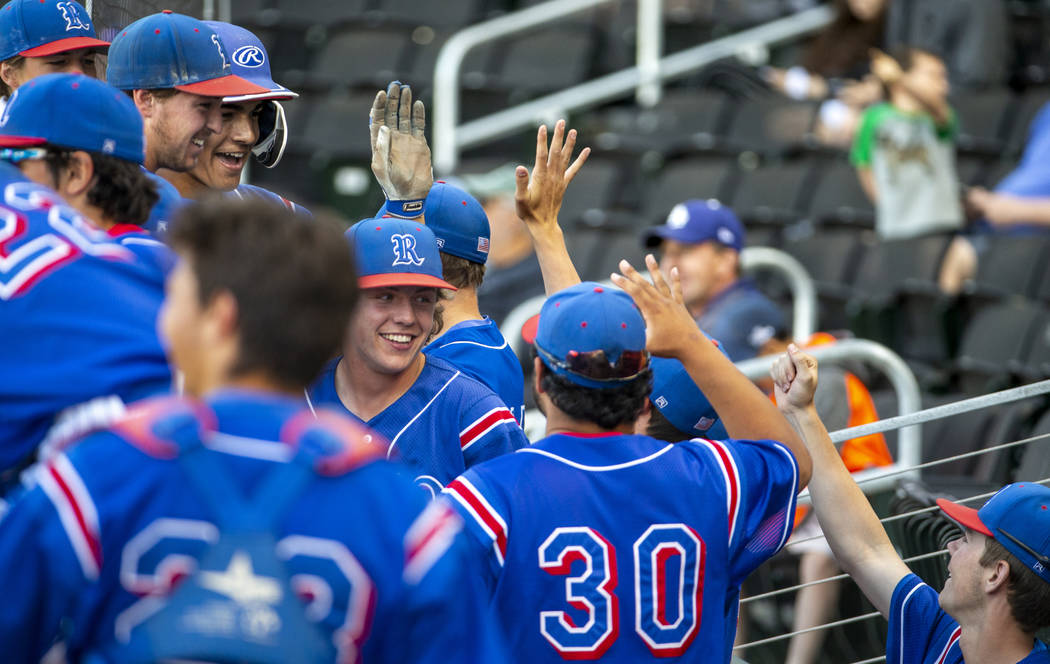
13, 155
595, 365
1035, 554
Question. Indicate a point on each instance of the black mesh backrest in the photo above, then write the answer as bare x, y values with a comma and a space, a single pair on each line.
339, 125
1035, 461
597, 252
889, 265
593, 192
549, 60
771, 126
682, 180
1037, 361
1012, 265
828, 256
322, 12
839, 199
998, 338
444, 14
982, 118
772, 194
359, 56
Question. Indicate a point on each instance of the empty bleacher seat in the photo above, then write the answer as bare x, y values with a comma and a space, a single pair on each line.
592, 194
838, 199
338, 125
996, 344
983, 118
684, 120
1010, 265
774, 194
773, 126
546, 61
681, 180
359, 57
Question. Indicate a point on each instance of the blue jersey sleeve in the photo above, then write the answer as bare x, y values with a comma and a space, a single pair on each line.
41, 570
761, 479
488, 429
446, 616
169, 202
486, 519
920, 631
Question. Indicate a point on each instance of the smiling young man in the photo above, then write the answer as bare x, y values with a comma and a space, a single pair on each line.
45, 37
176, 70
437, 419
252, 125
997, 595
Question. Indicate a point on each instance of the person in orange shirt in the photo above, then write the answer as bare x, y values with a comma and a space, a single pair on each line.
843, 402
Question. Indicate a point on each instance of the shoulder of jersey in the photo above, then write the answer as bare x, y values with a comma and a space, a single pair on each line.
244, 190
464, 382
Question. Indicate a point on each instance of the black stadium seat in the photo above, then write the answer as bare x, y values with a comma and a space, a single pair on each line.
838, 199
772, 195
681, 180
983, 120
995, 344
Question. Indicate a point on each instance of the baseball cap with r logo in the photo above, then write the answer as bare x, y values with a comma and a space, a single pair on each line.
396, 252
37, 28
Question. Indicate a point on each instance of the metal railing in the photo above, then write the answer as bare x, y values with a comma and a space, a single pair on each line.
803, 292
644, 78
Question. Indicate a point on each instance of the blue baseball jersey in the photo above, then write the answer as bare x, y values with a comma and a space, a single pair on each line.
168, 203
922, 633
113, 523
251, 191
149, 249
79, 313
445, 423
623, 547
478, 348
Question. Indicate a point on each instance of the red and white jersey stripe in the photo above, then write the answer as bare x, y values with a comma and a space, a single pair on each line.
467, 495
477, 429
948, 646
429, 537
76, 510
727, 464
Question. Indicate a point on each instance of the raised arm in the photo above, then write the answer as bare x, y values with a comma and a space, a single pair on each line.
671, 332
853, 530
400, 154
538, 199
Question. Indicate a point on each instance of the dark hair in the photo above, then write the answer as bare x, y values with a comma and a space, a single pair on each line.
661, 428
841, 49
159, 93
905, 56
1027, 593
608, 408
16, 62
460, 272
294, 281
121, 189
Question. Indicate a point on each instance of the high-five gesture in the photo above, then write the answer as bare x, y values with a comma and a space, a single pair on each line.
538, 198
669, 329
400, 154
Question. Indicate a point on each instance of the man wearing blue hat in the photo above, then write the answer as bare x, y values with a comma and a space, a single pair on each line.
597, 543
437, 419
703, 239
997, 595
252, 125
83, 139
40, 37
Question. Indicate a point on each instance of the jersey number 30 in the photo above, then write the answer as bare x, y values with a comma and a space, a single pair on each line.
661, 548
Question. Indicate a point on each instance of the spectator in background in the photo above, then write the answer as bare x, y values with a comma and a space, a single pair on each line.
972, 36
512, 273
904, 152
703, 239
835, 68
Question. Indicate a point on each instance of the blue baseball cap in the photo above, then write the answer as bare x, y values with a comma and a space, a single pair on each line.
396, 252
1018, 517
696, 221
249, 60
169, 50
458, 221
73, 111
584, 318
681, 401
35, 28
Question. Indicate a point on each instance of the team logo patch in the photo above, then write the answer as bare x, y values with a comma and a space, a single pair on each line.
441, 242
249, 56
703, 424
71, 12
109, 146
661, 402
679, 216
405, 249
483, 245
725, 236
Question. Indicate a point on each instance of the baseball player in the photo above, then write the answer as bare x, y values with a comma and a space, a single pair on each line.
252, 125
49, 37
91, 553
438, 419
83, 139
79, 314
177, 71
997, 595
597, 543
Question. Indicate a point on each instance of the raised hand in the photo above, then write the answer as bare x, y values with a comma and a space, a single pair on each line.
538, 198
794, 379
669, 329
400, 154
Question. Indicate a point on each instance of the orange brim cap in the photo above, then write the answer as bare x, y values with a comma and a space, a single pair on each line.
63, 45
402, 279
224, 86
964, 516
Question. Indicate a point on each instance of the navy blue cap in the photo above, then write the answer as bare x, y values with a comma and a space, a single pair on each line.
73, 111
396, 252
35, 28
586, 317
249, 60
696, 221
169, 50
681, 401
1018, 517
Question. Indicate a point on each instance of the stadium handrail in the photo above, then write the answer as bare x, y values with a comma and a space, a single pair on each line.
803, 292
450, 137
